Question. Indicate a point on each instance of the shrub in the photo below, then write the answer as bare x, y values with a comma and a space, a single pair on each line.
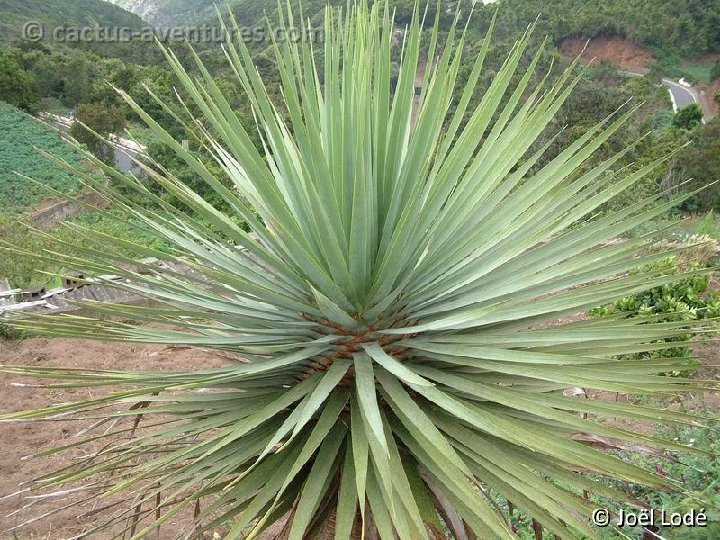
17, 86
8, 333
688, 117
715, 72
698, 474
93, 120
394, 324
685, 300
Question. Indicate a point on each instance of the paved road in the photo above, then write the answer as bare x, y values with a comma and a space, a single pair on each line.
124, 149
682, 96
123, 159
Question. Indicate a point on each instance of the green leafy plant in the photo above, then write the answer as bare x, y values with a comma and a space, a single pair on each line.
688, 117
21, 137
684, 300
395, 322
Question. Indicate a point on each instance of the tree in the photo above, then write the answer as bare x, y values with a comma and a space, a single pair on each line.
17, 86
715, 72
688, 117
394, 325
95, 122
700, 163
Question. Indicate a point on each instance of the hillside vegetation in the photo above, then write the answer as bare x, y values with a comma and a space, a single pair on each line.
21, 138
687, 28
61, 77
51, 13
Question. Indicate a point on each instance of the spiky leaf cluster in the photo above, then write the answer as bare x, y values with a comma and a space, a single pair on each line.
397, 312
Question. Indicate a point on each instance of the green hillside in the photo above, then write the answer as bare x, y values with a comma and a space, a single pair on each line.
20, 139
686, 28
52, 13
166, 13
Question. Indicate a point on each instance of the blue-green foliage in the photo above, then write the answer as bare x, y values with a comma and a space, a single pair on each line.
699, 475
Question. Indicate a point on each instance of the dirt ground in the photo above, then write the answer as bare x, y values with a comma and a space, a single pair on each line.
17, 440
629, 57
707, 98
621, 52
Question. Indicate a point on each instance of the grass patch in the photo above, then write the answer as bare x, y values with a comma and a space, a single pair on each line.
693, 71
25, 271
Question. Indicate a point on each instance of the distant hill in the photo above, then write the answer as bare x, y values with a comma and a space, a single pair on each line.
685, 28
53, 13
166, 13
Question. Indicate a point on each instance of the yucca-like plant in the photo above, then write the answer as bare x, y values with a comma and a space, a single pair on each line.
396, 322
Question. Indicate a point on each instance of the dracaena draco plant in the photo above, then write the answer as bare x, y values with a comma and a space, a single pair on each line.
394, 313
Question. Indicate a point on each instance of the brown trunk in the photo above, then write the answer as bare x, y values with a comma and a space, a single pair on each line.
452, 519
371, 532
277, 529
538, 530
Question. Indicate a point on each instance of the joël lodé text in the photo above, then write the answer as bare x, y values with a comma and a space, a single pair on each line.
662, 518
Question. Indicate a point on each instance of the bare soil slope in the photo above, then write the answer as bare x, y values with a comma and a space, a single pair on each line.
622, 52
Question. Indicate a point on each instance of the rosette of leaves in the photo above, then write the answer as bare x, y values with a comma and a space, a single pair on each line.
396, 319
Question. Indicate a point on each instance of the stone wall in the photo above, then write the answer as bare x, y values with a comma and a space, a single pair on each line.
50, 216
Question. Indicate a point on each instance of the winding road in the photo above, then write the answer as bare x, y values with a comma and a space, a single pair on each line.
125, 152
125, 149
681, 95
